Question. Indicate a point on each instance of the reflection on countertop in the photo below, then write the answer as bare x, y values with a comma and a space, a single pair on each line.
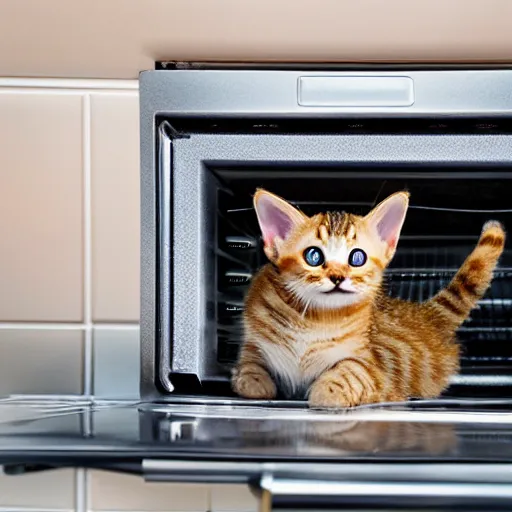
77, 429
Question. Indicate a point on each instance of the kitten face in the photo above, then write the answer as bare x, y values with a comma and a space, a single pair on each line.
330, 260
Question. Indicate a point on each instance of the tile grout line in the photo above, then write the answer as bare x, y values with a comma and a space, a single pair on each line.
34, 509
67, 326
82, 504
86, 496
68, 92
87, 226
81, 490
80, 84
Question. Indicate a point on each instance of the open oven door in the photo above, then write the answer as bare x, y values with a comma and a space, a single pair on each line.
428, 454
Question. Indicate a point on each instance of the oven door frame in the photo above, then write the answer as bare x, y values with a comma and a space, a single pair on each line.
173, 312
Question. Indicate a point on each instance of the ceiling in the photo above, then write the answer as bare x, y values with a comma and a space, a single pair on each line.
119, 38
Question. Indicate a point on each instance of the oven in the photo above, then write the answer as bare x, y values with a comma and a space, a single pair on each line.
324, 138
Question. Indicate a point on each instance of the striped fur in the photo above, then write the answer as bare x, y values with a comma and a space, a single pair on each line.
359, 346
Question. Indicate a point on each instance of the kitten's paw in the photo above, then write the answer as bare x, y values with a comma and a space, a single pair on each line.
330, 393
253, 381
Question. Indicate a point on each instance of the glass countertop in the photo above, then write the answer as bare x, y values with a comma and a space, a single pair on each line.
88, 432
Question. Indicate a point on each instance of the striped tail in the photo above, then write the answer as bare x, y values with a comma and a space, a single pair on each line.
455, 302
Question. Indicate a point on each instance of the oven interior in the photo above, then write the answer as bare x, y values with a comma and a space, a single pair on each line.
449, 205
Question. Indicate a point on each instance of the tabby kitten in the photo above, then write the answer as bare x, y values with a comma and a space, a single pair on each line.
318, 325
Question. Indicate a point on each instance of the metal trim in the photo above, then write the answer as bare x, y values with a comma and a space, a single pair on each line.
382, 494
165, 271
232, 472
223, 92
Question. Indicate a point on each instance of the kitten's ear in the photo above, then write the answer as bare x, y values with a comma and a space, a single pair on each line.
277, 219
387, 218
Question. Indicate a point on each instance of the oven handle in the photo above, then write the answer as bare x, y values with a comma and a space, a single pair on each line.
306, 494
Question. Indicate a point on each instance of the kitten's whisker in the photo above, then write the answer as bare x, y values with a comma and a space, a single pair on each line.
296, 289
306, 307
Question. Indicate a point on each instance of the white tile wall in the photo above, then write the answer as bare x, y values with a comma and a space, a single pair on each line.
41, 361
233, 498
115, 176
69, 197
44, 491
116, 357
111, 492
41, 207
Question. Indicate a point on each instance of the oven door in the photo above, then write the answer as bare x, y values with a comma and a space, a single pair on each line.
207, 233
419, 455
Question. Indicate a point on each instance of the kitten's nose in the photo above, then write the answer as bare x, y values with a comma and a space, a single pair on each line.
337, 279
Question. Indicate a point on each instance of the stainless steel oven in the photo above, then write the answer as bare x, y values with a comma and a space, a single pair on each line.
323, 137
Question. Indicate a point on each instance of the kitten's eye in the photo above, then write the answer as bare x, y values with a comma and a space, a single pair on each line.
314, 256
357, 258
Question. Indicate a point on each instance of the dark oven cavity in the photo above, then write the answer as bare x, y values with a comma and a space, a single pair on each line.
448, 209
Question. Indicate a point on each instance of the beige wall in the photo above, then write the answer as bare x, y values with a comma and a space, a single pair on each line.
69, 223
69, 226
119, 38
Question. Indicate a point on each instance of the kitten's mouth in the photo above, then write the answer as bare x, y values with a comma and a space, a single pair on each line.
338, 290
